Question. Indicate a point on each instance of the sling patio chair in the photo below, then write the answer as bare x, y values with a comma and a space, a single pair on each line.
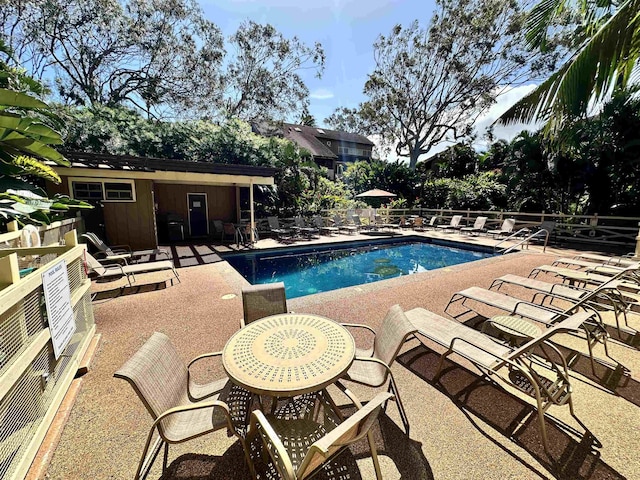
298, 448
433, 223
621, 261
505, 229
259, 301
121, 252
478, 226
493, 358
372, 367
454, 224
606, 298
181, 408
418, 224
341, 226
588, 266
319, 223
103, 271
628, 277
355, 219
594, 329
302, 228
274, 227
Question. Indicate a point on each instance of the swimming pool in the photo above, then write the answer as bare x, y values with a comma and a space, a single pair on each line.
309, 270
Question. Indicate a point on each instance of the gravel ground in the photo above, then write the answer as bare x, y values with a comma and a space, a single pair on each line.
461, 427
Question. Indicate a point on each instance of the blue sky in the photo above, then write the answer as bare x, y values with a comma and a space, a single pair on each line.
347, 30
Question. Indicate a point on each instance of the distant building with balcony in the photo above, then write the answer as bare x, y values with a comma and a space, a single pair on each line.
332, 149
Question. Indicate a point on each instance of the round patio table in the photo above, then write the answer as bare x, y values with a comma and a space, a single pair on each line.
288, 354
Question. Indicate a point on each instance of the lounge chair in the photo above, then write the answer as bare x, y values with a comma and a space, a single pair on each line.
298, 448
607, 298
341, 226
259, 301
100, 270
319, 223
595, 331
478, 226
355, 219
593, 276
589, 266
302, 228
454, 224
373, 367
181, 409
491, 357
274, 227
607, 260
505, 229
418, 224
121, 252
433, 222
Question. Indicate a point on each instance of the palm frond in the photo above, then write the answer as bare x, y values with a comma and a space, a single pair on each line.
607, 57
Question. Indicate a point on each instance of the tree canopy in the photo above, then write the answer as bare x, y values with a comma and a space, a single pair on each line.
431, 84
161, 57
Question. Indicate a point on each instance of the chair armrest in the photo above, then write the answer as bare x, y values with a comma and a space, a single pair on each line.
542, 307
196, 406
358, 325
126, 248
204, 355
276, 450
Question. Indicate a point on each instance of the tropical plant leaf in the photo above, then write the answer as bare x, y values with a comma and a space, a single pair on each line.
31, 166
9, 98
606, 60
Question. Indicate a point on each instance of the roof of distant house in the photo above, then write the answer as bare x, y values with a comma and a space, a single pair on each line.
310, 137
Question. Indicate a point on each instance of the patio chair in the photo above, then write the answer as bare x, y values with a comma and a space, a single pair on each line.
355, 219
606, 298
218, 228
319, 223
621, 261
116, 252
595, 331
302, 228
341, 226
418, 224
274, 227
505, 229
102, 271
478, 226
454, 224
299, 448
181, 408
433, 223
259, 301
491, 357
372, 367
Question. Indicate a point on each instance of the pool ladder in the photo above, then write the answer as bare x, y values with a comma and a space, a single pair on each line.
524, 241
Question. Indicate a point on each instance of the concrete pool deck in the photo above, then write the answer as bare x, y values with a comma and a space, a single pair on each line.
461, 428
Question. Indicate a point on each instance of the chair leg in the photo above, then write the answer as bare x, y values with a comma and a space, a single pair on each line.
147, 458
165, 457
403, 414
374, 455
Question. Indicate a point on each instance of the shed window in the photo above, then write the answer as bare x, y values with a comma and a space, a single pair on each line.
87, 190
118, 191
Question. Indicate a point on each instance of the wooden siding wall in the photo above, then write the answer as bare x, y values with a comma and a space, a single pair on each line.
221, 201
132, 223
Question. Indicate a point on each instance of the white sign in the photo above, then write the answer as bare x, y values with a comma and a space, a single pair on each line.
57, 297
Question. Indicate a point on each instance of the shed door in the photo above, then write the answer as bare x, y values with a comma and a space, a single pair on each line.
198, 224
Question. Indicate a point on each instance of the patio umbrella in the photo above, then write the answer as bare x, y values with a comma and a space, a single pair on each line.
376, 193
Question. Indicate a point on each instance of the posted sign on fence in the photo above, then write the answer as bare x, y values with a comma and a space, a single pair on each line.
57, 296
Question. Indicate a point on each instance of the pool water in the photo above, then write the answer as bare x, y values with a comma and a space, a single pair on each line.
307, 271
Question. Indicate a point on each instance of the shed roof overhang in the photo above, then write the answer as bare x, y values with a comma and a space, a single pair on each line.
159, 170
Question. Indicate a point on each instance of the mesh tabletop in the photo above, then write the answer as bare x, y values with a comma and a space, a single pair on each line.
288, 354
